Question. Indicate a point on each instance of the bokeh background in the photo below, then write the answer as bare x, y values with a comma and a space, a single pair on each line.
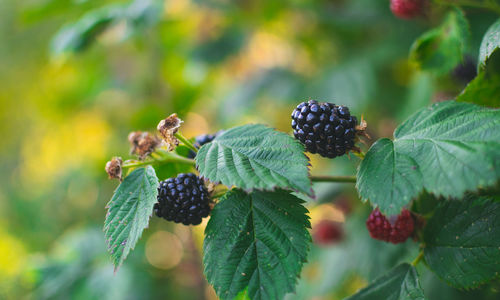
76, 76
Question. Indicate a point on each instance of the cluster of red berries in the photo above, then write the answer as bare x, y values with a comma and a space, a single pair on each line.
395, 230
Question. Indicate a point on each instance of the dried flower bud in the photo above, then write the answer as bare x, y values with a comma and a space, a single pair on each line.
168, 128
143, 143
114, 168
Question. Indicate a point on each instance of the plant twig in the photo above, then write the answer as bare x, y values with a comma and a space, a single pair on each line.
418, 258
159, 157
490, 5
333, 178
185, 141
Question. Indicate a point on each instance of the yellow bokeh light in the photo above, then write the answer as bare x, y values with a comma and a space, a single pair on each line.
54, 148
164, 250
326, 212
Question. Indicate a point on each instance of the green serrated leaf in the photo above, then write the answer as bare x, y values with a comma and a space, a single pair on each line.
490, 43
129, 211
463, 242
255, 157
485, 88
257, 241
398, 284
447, 149
441, 49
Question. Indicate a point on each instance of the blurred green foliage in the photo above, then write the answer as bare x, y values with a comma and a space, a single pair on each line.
77, 76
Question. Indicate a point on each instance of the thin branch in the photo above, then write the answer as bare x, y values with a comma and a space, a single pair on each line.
418, 258
334, 179
186, 142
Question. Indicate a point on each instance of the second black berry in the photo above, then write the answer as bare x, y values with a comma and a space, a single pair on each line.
324, 128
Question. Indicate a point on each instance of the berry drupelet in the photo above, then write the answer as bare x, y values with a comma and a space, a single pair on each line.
324, 128
183, 199
397, 231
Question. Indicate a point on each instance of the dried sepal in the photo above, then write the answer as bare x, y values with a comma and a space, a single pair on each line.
114, 168
143, 143
168, 128
361, 128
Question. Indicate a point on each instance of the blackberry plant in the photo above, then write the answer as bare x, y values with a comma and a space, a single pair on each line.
444, 157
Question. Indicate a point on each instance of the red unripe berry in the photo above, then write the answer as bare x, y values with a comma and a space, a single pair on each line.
407, 9
395, 232
327, 232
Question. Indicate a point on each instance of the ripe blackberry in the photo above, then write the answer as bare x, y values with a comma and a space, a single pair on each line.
183, 199
324, 128
200, 141
407, 9
396, 229
327, 232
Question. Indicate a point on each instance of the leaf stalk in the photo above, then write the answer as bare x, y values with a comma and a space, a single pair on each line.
351, 179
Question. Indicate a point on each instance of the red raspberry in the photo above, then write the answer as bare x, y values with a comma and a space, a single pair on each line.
407, 9
327, 232
395, 230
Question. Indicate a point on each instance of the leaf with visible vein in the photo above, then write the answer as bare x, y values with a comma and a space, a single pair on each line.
463, 242
258, 242
446, 149
255, 157
129, 211
400, 283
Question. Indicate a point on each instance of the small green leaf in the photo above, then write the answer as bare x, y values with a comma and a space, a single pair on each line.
398, 284
258, 242
490, 43
129, 211
485, 88
446, 149
255, 157
441, 49
79, 35
463, 242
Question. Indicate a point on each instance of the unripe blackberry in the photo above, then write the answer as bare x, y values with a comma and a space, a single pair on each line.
183, 199
327, 232
395, 230
407, 9
324, 128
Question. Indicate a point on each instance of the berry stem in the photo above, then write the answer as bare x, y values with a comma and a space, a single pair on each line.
185, 141
418, 258
159, 156
490, 5
333, 179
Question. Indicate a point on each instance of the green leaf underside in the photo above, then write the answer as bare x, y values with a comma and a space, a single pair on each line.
485, 88
446, 149
463, 242
398, 284
255, 157
441, 49
129, 211
490, 43
257, 241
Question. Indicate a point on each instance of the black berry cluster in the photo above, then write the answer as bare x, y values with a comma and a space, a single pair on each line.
200, 141
183, 199
324, 128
